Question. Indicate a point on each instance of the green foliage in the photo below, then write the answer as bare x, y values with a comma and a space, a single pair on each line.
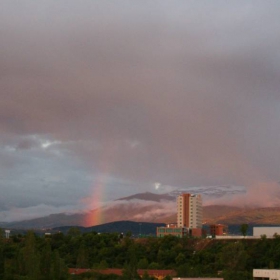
46, 261
74, 232
237, 275
263, 236
147, 277
233, 256
143, 264
31, 257
82, 259
31, 261
180, 259
130, 271
2, 259
103, 264
154, 265
244, 229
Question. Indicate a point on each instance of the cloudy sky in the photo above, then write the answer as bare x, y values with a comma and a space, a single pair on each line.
101, 99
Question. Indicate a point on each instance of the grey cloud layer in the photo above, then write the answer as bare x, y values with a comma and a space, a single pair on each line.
183, 93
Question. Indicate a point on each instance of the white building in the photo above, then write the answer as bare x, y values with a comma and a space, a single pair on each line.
268, 231
266, 274
7, 233
189, 211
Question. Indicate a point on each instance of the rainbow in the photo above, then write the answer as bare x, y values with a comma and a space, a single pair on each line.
94, 217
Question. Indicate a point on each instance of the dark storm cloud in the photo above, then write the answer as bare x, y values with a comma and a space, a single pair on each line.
183, 93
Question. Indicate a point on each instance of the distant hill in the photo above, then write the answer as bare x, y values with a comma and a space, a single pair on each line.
148, 196
51, 221
154, 214
269, 215
135, 228
215, 213
154, 208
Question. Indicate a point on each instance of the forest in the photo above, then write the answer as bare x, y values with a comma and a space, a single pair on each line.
34, 257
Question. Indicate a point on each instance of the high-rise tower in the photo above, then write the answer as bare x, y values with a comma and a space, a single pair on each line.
189, 211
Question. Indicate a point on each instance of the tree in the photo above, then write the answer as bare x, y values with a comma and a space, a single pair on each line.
74, 231
31, 257
146, 276
244, 229
59, 269
82, 259
103, 264
233, 257
2, 260
143, 264
154, 265
130, 271
46, 261
180, 259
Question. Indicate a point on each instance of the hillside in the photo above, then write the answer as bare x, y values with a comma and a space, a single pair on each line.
270, 215
152, 208
154, 214
120, 227
148, 196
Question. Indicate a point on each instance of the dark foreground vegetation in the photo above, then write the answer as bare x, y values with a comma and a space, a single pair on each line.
31, 257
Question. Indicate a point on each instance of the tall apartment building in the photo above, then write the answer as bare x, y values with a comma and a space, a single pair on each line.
189, 211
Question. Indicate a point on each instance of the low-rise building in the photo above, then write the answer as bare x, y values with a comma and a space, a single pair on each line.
266, 274
196, 232
217, 229
268, 231
172, 230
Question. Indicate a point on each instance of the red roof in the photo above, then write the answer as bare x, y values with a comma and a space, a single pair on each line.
116, 271
78, 270
156, 272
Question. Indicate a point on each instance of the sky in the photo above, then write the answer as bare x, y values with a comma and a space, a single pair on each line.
103, 99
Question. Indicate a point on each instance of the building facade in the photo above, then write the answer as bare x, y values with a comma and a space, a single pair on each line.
172, 230
217, 229
269, 232
189, 217
266, 274
189, 210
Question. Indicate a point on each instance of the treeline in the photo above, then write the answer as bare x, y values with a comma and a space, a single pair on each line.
31, 257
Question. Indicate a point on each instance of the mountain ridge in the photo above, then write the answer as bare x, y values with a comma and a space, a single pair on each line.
154, 208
